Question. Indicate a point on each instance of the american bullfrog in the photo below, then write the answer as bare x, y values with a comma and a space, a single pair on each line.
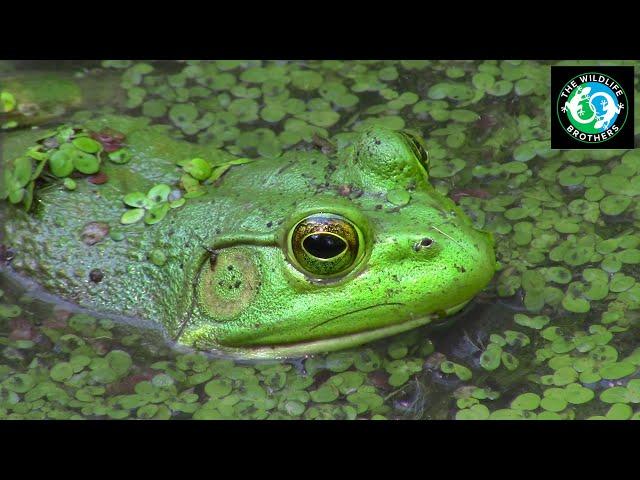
313, 251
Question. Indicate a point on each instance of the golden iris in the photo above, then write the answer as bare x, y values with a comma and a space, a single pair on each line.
325, 245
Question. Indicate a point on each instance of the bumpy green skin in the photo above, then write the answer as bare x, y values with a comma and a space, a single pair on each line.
250, 299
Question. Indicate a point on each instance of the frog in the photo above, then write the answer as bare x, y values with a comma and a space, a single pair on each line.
311, 251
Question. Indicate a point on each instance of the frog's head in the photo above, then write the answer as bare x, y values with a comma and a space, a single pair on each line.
342, 270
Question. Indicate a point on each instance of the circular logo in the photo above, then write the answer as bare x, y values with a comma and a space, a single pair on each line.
592, 107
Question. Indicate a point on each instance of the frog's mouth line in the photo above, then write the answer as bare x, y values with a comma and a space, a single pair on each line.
387, 304
337, 343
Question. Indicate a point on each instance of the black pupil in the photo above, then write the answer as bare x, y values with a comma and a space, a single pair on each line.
324, 245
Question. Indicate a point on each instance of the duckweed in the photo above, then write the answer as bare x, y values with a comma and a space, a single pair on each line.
559, 340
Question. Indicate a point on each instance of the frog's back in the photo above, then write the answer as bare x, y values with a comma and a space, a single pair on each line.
73, 244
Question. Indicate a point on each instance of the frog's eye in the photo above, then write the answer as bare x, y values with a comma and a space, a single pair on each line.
325, 245
417, 146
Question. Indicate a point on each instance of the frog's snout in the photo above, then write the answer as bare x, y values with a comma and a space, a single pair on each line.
461, 261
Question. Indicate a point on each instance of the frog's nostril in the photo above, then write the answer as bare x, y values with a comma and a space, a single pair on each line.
422, 244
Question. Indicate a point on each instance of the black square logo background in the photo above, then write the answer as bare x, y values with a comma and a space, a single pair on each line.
624, 139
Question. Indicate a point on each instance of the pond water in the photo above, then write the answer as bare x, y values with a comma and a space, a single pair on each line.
554, 335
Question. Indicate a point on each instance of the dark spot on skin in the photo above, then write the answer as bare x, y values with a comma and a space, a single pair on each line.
230, 267
379, 207
237, 284
269, 224
96, 275
218, 231
378, 142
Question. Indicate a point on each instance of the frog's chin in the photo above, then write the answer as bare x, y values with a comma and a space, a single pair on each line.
337, 343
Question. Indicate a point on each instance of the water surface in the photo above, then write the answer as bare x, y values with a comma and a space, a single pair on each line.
554, 336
